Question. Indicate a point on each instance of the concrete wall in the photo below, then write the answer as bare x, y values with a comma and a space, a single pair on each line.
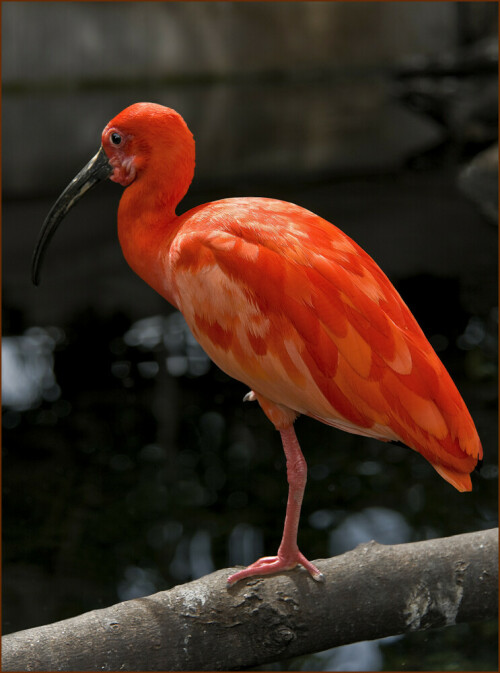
278, 95
71, 42
242, 74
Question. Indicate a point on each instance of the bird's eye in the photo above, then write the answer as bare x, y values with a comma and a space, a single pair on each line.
115, 138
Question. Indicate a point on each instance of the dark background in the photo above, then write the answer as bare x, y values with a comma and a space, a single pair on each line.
130, 463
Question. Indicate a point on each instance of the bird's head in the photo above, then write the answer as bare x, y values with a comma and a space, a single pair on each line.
146, 147
147, 137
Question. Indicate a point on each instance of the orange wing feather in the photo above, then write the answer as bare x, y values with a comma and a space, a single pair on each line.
287, 303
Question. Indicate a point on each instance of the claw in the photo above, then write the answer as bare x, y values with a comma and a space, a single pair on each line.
268, 565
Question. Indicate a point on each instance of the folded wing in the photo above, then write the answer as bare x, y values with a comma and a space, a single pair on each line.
287, 303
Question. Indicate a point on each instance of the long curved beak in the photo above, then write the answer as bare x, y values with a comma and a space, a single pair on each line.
95, 171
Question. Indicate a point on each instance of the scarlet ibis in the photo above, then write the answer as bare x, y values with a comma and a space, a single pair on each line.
281, 300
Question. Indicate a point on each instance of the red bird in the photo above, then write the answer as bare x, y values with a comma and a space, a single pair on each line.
281, 300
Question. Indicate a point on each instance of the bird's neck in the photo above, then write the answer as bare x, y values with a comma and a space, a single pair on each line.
146, 228
147, 222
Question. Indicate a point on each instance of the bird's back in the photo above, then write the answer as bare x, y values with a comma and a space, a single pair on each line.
284, 301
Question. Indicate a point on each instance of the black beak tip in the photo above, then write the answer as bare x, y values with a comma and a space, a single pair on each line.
36, 266
97, 169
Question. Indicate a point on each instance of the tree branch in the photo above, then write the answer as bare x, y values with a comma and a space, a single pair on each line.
370, 592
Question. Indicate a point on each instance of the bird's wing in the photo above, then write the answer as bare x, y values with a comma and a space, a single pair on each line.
287, 303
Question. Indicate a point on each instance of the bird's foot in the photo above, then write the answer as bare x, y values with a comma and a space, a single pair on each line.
268, 565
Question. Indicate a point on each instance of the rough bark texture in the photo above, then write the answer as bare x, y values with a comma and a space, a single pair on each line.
370, 592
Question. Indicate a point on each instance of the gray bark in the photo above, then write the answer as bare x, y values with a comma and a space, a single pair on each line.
370, 592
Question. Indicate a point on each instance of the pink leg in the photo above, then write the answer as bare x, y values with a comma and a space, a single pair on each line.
288, 553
